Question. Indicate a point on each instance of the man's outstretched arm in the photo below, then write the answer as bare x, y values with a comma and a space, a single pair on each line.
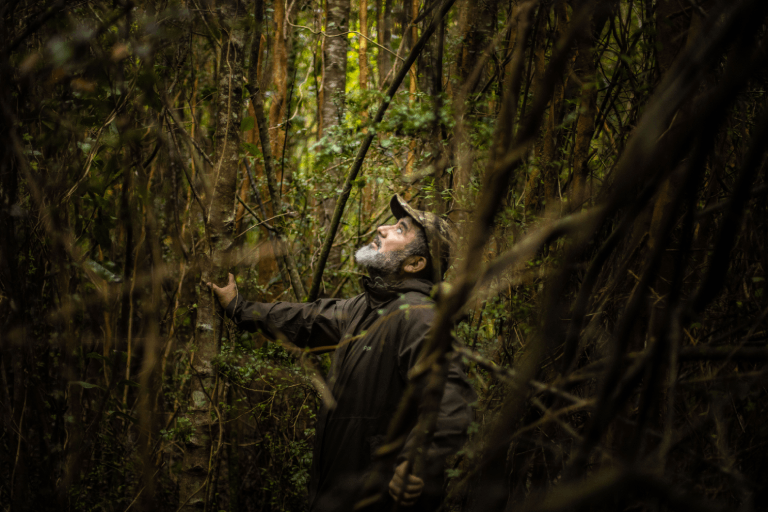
314, 324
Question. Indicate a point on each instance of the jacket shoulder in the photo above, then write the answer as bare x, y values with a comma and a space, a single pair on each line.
413, 307
413, 297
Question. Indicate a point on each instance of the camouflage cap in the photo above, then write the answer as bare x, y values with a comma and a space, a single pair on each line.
440, 234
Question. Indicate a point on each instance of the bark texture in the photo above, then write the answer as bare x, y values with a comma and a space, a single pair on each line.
363, 52
334, 95
197, 472
412, 86
335, 62
384, 38
280, 77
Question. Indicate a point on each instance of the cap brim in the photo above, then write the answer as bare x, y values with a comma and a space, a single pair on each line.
401, 209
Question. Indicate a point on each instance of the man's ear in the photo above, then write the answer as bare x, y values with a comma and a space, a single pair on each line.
414, 264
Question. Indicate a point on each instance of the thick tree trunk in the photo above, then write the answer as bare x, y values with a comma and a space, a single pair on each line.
196, 478
335, 63
334, 96
277, 108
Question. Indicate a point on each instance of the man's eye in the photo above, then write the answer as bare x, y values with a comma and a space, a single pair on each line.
400, 230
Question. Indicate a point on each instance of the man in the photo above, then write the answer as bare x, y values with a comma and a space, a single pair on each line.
378, 336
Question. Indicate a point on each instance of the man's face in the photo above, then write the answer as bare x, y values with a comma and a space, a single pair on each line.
386, 253
395, 237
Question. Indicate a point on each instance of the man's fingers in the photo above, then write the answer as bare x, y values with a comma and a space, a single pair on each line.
396, 486
409, 487
409, 497
413, 487
407, 500
230, 284
414, 480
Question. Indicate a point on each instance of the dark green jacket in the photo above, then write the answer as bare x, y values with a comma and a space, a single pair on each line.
379, 335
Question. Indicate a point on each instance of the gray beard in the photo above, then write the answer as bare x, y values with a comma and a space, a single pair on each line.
377, 263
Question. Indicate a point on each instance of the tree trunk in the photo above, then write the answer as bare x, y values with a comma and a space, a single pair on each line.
549, 167
335, 63
196, 478
585, 126
277, 108
412, 87
252, 137
478, 24
363, 84
464, 156
384, 37
149, 378
533, 189
334, 96
363, 52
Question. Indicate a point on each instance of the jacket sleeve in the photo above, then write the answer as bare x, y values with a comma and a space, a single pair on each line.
315, 324
455, 413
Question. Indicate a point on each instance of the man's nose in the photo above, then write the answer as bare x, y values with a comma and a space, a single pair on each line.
382, 231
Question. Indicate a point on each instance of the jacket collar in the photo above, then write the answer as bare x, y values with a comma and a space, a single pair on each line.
379, 292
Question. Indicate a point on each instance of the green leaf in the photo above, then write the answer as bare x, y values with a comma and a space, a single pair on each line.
251, 148
247, 124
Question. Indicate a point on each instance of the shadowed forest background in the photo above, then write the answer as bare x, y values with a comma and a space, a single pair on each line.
604, 162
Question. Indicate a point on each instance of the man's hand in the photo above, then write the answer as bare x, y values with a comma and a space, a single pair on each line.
225, 294
412, 489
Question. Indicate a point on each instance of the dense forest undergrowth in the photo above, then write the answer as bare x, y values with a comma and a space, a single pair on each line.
603, 161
